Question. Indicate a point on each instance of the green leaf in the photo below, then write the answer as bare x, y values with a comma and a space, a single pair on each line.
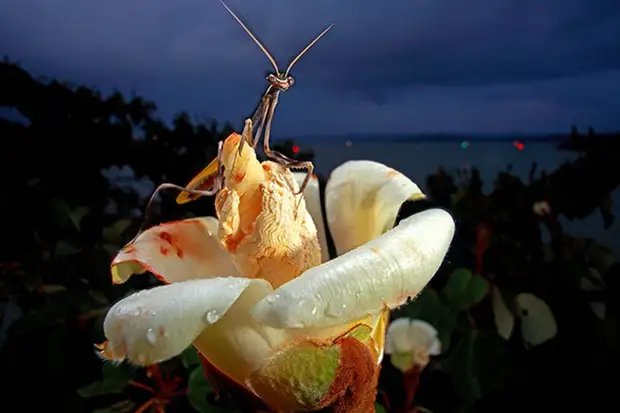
111, 249
64, 249
115, 379
429, 307
100, 388
77, 215
113, 234
124, 406
445, 325
59, 212
197, 390
464, 289
118, 372
490, 355
379, 408
424, 306
190, 357
462, 368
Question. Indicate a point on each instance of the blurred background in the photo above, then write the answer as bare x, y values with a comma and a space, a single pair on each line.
505, 113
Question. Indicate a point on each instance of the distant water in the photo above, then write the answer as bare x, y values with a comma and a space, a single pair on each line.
418, 159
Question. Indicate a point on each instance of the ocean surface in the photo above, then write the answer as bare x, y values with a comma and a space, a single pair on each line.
419, 158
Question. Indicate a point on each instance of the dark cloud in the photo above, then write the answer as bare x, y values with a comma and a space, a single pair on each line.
480, 42
390, 65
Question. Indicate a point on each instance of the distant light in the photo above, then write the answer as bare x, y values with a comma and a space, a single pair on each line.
295, 149
348, 144
518, 145
465, 144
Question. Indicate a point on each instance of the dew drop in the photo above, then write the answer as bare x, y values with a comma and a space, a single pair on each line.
151, 336
336, 310
212, 316
271, 298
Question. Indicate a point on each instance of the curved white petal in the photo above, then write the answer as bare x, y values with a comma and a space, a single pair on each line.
422, 334
537, 321
154, 325
382, 273
504, 320
362, 199
312, 195
397, 339
407, 335
175, 251
434, 348
237, 344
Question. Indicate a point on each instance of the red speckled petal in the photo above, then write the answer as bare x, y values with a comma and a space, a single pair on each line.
175, 251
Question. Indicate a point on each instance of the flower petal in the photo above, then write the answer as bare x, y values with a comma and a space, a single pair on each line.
154, 325
175, 251
243, 344
382, 273
237, 344
537, 321
407, 335
504, 320
312, 195
362, 199
422, 334
398, 338
434, 348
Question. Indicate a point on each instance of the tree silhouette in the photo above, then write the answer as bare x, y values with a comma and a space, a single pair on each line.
63, 220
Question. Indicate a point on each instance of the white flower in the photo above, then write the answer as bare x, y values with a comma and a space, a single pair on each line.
537, 321
410, 343
281, 336
541, 208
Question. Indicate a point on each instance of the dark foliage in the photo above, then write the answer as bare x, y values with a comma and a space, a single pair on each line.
63, 221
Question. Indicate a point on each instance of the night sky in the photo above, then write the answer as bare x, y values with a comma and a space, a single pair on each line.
397, 66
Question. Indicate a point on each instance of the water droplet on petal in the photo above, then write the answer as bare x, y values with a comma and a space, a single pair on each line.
271, 298
151, 336
212, 316
336, 310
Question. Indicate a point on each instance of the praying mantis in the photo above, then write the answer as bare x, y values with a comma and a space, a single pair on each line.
210, 180
206, 183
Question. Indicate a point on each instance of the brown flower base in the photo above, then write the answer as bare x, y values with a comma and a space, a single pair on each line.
353, 390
